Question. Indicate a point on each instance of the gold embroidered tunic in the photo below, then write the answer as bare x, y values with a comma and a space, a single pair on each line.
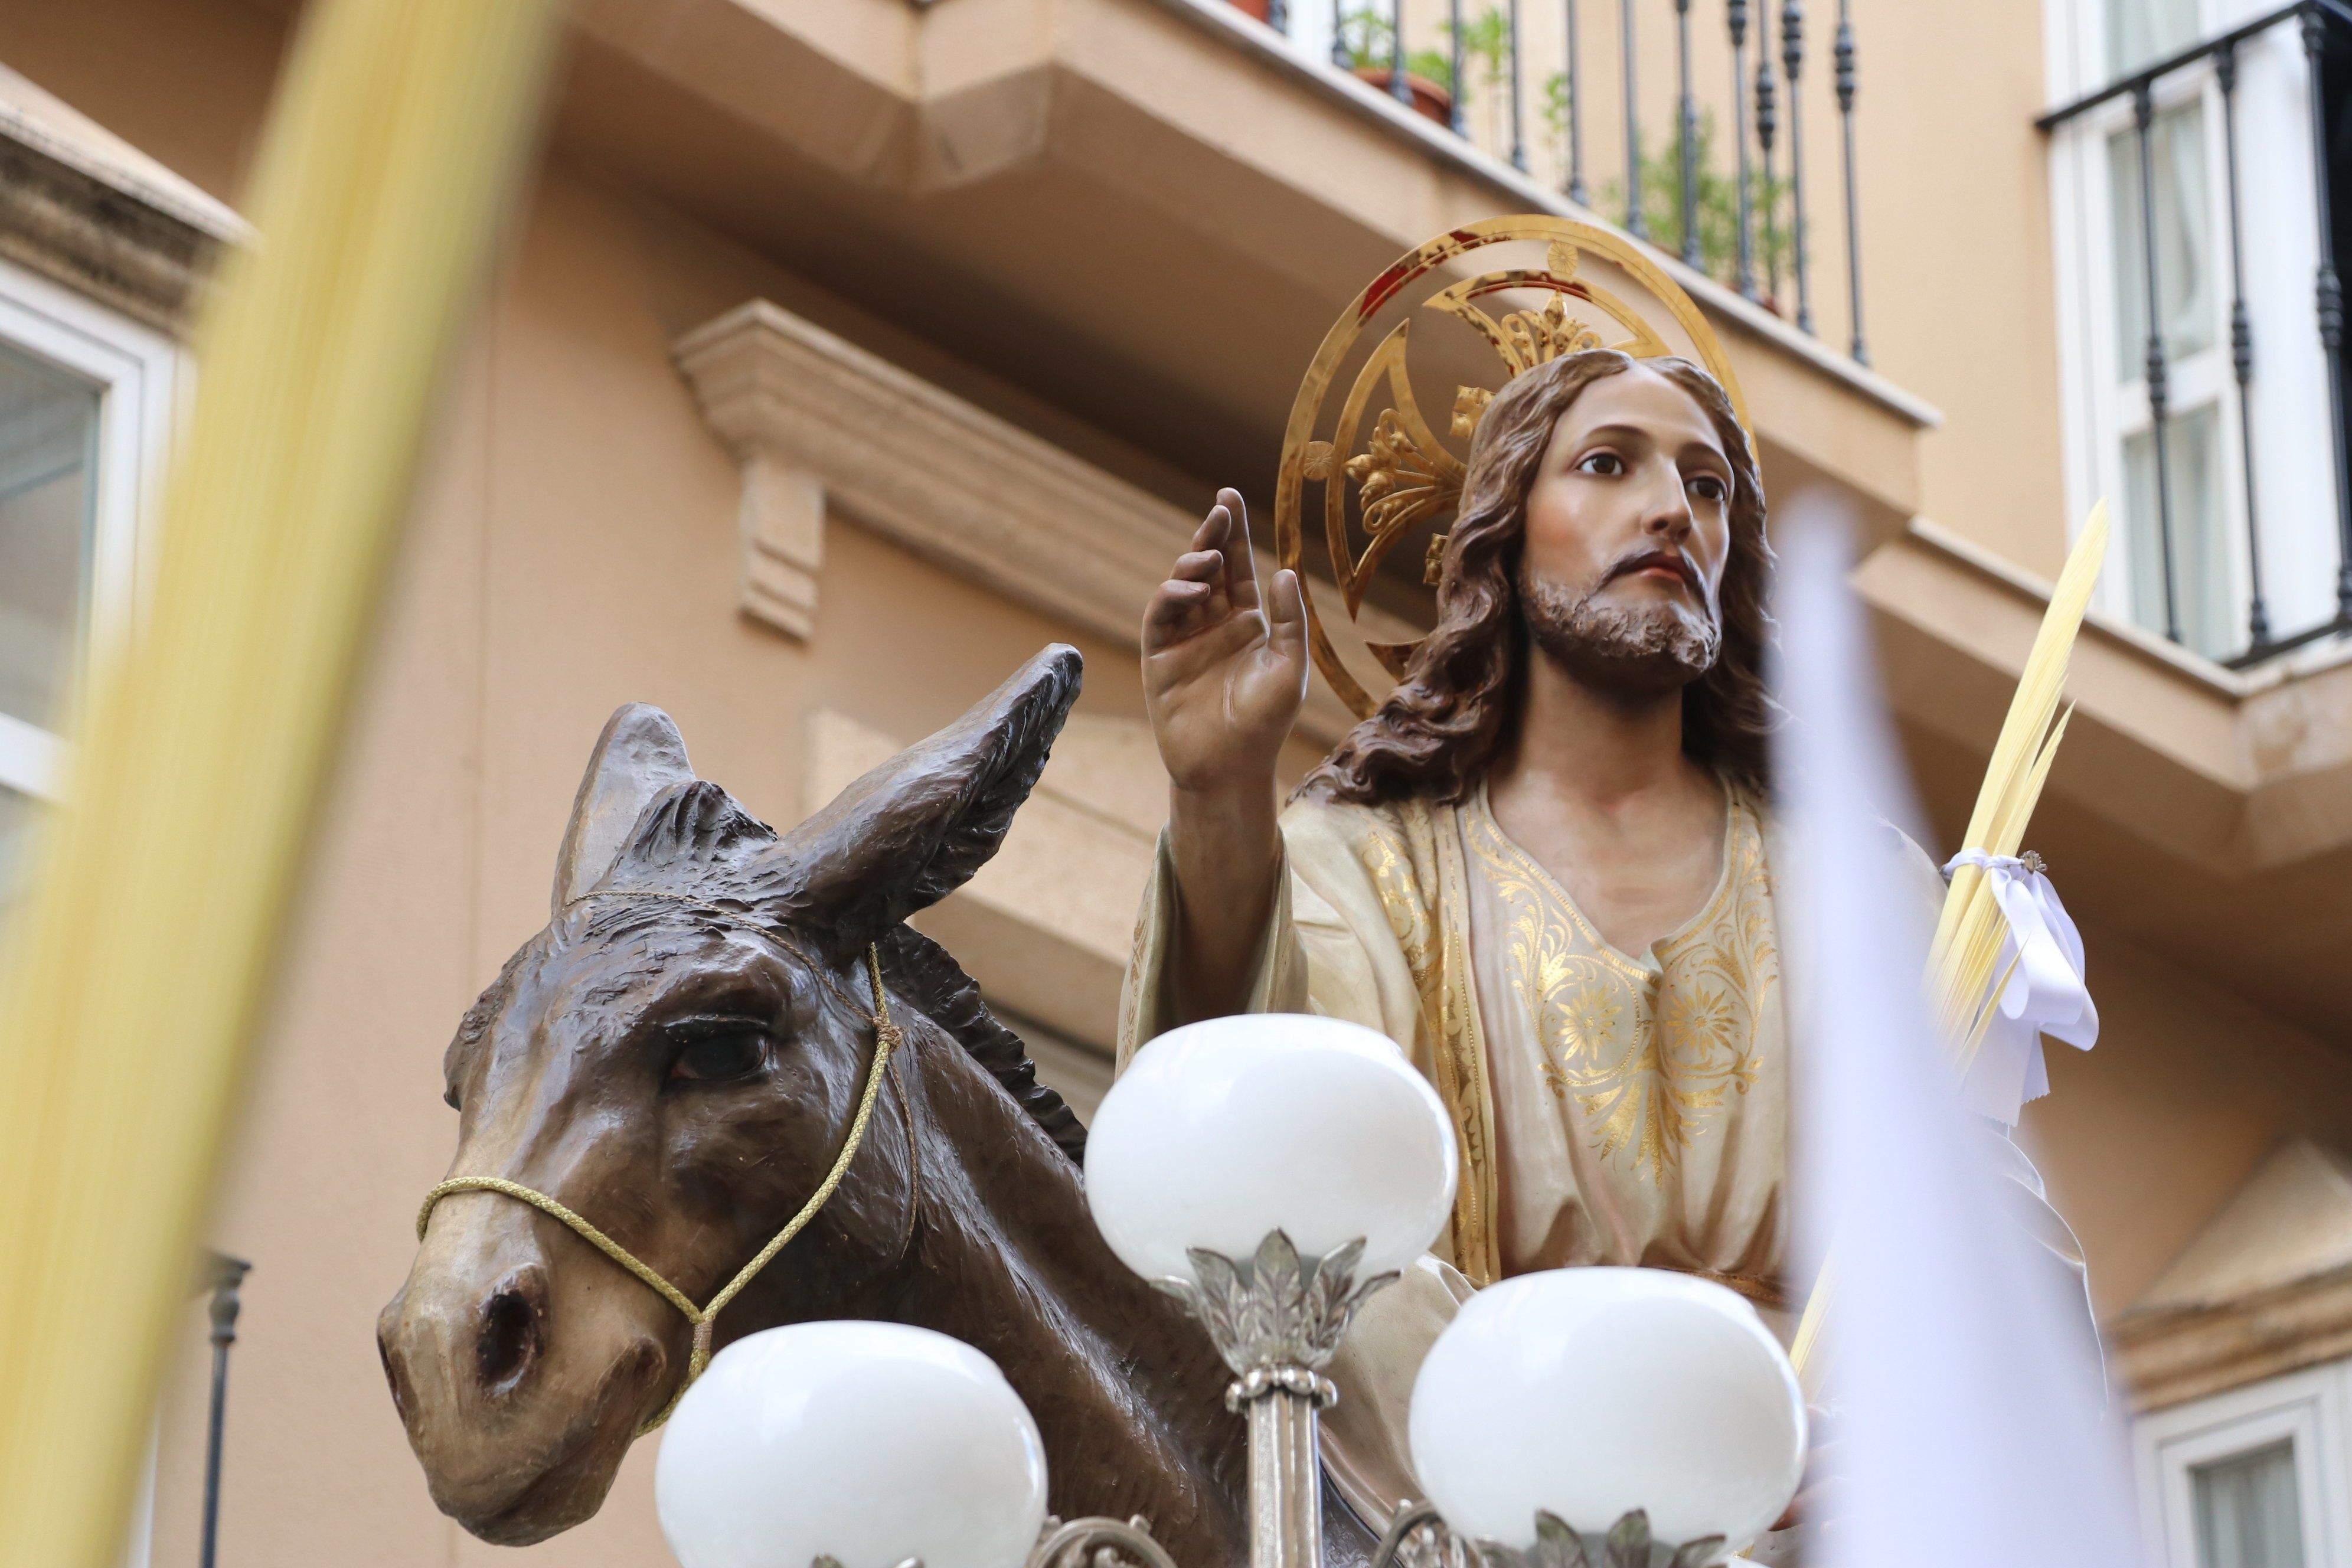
1640, 1100
1609, 1107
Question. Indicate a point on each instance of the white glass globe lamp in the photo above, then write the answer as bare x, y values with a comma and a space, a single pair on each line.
867, 1443
1224, 1132
1588, 1392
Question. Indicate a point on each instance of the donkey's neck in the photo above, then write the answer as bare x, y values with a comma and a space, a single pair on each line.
1127, 1390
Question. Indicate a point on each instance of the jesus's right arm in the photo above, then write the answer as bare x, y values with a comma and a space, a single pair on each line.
1224, 672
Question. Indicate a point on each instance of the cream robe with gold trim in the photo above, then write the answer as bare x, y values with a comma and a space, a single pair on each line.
1609, 1109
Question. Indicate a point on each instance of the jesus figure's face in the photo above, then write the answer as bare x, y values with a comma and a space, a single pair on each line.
1628, 529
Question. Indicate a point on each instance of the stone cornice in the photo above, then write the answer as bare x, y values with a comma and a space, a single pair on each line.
142, 245
806, 411
2172, 1355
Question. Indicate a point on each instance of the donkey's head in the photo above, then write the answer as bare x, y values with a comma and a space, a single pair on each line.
676, 1059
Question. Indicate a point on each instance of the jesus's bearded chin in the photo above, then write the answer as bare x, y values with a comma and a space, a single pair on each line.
1637, 650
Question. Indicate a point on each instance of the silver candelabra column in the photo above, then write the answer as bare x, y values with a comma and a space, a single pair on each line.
1277, 1320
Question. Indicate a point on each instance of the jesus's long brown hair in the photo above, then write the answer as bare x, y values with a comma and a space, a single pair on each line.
1453, 714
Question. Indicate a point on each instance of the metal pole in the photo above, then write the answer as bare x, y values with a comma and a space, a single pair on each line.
1399, 88
1635, 223
1519, 115
1846, 83
225, 1275
2330, 294
2242, 348
1736, 16
2143, 116
1455, 93
1339, 54
1792, 57
1576, 192
1285, 1481
1686, 128
1277, 15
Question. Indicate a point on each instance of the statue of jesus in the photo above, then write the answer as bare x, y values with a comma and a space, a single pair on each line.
1546, 866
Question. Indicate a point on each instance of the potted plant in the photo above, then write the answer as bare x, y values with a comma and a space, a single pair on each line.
1367, 41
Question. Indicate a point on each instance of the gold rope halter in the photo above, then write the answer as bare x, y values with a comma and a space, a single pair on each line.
886, 1037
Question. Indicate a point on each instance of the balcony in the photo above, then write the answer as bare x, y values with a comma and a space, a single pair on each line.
1688, 130
2207, 373
1147, 210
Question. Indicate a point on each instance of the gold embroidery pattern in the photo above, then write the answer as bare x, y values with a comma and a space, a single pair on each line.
1405, 884
1649, 1061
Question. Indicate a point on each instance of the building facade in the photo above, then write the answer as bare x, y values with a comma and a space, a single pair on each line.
844, 352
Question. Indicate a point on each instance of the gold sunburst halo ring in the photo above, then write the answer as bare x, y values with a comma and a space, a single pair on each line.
1402, 475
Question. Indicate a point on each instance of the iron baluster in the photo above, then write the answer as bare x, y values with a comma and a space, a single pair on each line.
1793, 59
1576, 192
1340, 56
1686, 125
1518, 116
1453, 23
1277, 15
224, 1276
2330, 296
2143, 117
2242, 347
1400, 86
1736, 16
1636, 225
1767, 123
1844, 54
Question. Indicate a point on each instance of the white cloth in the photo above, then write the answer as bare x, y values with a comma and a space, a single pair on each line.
2046, 993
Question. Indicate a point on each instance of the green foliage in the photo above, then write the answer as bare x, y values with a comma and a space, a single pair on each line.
1369, 36
1366, 36
1486, 43
1772, 245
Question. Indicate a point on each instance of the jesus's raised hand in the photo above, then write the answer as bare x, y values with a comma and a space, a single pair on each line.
1225, 668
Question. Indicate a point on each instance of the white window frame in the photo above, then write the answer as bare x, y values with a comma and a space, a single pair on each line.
136, 373
2103, 388
2312, 1408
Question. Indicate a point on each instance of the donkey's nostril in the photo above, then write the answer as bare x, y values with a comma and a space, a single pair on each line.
510, 1338
392, 1376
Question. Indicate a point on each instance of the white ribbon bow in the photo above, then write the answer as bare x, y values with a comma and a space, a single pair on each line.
2045, 995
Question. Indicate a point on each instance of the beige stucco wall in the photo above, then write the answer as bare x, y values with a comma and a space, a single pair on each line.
575, 548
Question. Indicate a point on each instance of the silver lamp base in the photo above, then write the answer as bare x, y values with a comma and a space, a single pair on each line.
1081, 1544
1420, 1539
1277, 1320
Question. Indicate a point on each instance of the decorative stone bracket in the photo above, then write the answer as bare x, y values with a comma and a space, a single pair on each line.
754, 390
822, 427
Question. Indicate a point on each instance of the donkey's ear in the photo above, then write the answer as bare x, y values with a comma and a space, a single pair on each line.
915, 829
639, 754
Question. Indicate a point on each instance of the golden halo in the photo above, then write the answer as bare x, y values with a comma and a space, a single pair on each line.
1585, 290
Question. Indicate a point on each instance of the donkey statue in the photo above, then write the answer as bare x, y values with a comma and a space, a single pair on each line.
676, 1059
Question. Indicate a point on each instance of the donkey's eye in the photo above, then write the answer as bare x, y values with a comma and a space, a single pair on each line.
714, 1055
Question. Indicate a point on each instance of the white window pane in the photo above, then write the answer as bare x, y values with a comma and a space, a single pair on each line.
2249, 1512
2184, 238
49, 434
2204, 587
2140, 32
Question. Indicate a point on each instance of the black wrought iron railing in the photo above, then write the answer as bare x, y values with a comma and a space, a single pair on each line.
2326, 38
1512, 77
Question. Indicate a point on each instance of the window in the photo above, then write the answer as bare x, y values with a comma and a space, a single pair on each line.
2248, 1510
86, 397
2258, 1477
2240, 473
